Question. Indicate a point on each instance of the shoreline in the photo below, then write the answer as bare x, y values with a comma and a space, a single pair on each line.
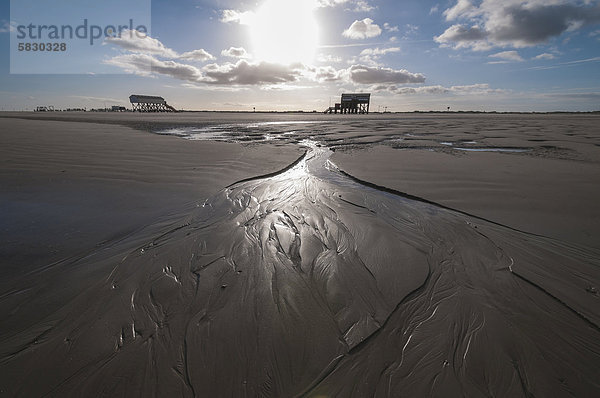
300, 112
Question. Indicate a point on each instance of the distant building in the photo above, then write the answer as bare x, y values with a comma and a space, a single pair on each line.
149, 103
116, 108
357, 103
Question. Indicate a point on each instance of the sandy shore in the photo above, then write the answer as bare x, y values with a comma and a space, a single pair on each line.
68, 187
201, 255
551, 197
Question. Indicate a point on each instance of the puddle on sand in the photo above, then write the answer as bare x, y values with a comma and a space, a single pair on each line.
509, 150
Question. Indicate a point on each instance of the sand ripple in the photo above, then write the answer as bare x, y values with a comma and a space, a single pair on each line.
310, 282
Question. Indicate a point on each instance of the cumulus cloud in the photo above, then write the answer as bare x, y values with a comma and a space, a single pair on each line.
235, 52
330, 3
516, 23
245, 73
362, 74
144, 50
326, 74
355, 5
197, 55
462, 8
146, 55
362, 6
523, 27
362, 29
372, 55
507, 56
242, 73
464, 36
329, 58
147, 65
139, 42
235, 16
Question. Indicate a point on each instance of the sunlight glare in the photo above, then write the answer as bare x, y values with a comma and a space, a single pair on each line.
285, 31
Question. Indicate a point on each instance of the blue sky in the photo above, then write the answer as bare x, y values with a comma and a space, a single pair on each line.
512, 55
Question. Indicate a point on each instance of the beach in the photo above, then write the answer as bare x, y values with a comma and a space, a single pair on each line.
242, 254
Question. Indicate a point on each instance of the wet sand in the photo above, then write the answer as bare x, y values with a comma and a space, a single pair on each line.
546, 196
311, 281
69, 186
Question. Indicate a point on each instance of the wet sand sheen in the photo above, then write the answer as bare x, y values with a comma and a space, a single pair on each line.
310, 283
545, 196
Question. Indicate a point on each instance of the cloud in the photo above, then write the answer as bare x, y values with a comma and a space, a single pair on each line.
434, 10
140, 42
464, 36
566, 64
362, 74
329, 59
214, 87
362, 6
411, 30
507, 56
198, 55
379, 51
473, 89
242, 73
523, 27
235, 52
356, 5
544, 56
362, 29
462, 8
326, 74
245, 73
146, 53
516, 23
247, 17
370, 56
235, 16
390, 28
147, 65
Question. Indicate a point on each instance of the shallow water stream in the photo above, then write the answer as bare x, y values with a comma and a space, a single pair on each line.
310, 282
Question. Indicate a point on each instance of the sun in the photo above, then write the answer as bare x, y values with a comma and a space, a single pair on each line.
285, 31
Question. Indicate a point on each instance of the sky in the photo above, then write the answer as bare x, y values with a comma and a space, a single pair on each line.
490, 55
